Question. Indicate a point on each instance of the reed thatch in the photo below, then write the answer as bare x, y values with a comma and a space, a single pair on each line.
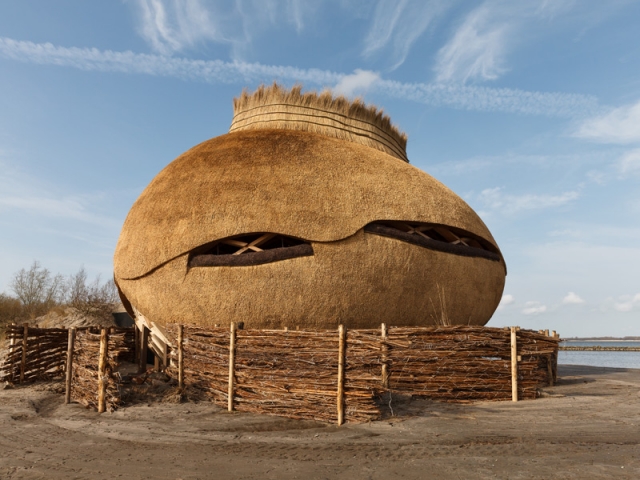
360, 282
298, 184
319, 187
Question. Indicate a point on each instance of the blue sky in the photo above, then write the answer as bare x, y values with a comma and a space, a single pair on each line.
529, 110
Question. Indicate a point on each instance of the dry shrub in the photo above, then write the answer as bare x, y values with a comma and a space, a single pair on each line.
38, 292
11, 310
93, 299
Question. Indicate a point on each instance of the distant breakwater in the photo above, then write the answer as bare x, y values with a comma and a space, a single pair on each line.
598, 348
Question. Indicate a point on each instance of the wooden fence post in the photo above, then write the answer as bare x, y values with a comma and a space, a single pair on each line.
102, 368
136, 341
23, 363
12, 347
144, 342
514, 365
165, 356
340, 395
69, 368
232, 363
180, 356
384, 349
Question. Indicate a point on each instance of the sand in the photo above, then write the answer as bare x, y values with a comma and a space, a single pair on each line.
588, 426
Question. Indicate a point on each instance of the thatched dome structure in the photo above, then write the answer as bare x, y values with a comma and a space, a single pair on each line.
306, 214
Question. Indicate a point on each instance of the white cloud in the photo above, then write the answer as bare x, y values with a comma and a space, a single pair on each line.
477, 49
627, 303
171, 26
630, 162
495, 199
505, 301
620, 125
534, 308
572, 299
92, 59
398, 24
623, 303
487, 99
599, 271
217, 71
359, 81
296, 13
480, 45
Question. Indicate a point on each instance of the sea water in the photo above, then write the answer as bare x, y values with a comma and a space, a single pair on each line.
600, 359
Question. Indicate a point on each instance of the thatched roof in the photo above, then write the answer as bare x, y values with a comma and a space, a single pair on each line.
317, 170
293, 183
276, 108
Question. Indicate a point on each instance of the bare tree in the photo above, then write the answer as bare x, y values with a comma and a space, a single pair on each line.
94, 299
77, 287
37, 289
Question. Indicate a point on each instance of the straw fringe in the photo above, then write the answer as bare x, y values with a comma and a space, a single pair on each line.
274, 107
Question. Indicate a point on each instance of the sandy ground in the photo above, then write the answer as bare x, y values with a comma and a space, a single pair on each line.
588, 426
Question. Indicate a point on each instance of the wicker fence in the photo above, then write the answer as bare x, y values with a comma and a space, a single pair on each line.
95, 381
318, 375
469, 363
34, 353
332, 376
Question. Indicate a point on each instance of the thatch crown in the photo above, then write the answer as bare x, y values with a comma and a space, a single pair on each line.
274, 107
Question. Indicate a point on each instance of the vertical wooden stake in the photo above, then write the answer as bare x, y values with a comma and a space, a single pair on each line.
514, 365
102, 371
12, 340
554, 334
12, 347
23, 363
384, 349
144, 343
340, 396
232, 363
136, 341
165, 356
180, 357
69, 369
550, 370
546, 332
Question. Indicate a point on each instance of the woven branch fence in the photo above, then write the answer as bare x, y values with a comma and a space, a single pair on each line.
95, 381
468, 363
34, 353
318, 375
321, 375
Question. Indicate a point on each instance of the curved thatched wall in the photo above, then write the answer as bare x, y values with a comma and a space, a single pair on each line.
322, 188
360, 282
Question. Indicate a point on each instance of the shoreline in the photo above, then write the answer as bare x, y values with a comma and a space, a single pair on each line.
568, 340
